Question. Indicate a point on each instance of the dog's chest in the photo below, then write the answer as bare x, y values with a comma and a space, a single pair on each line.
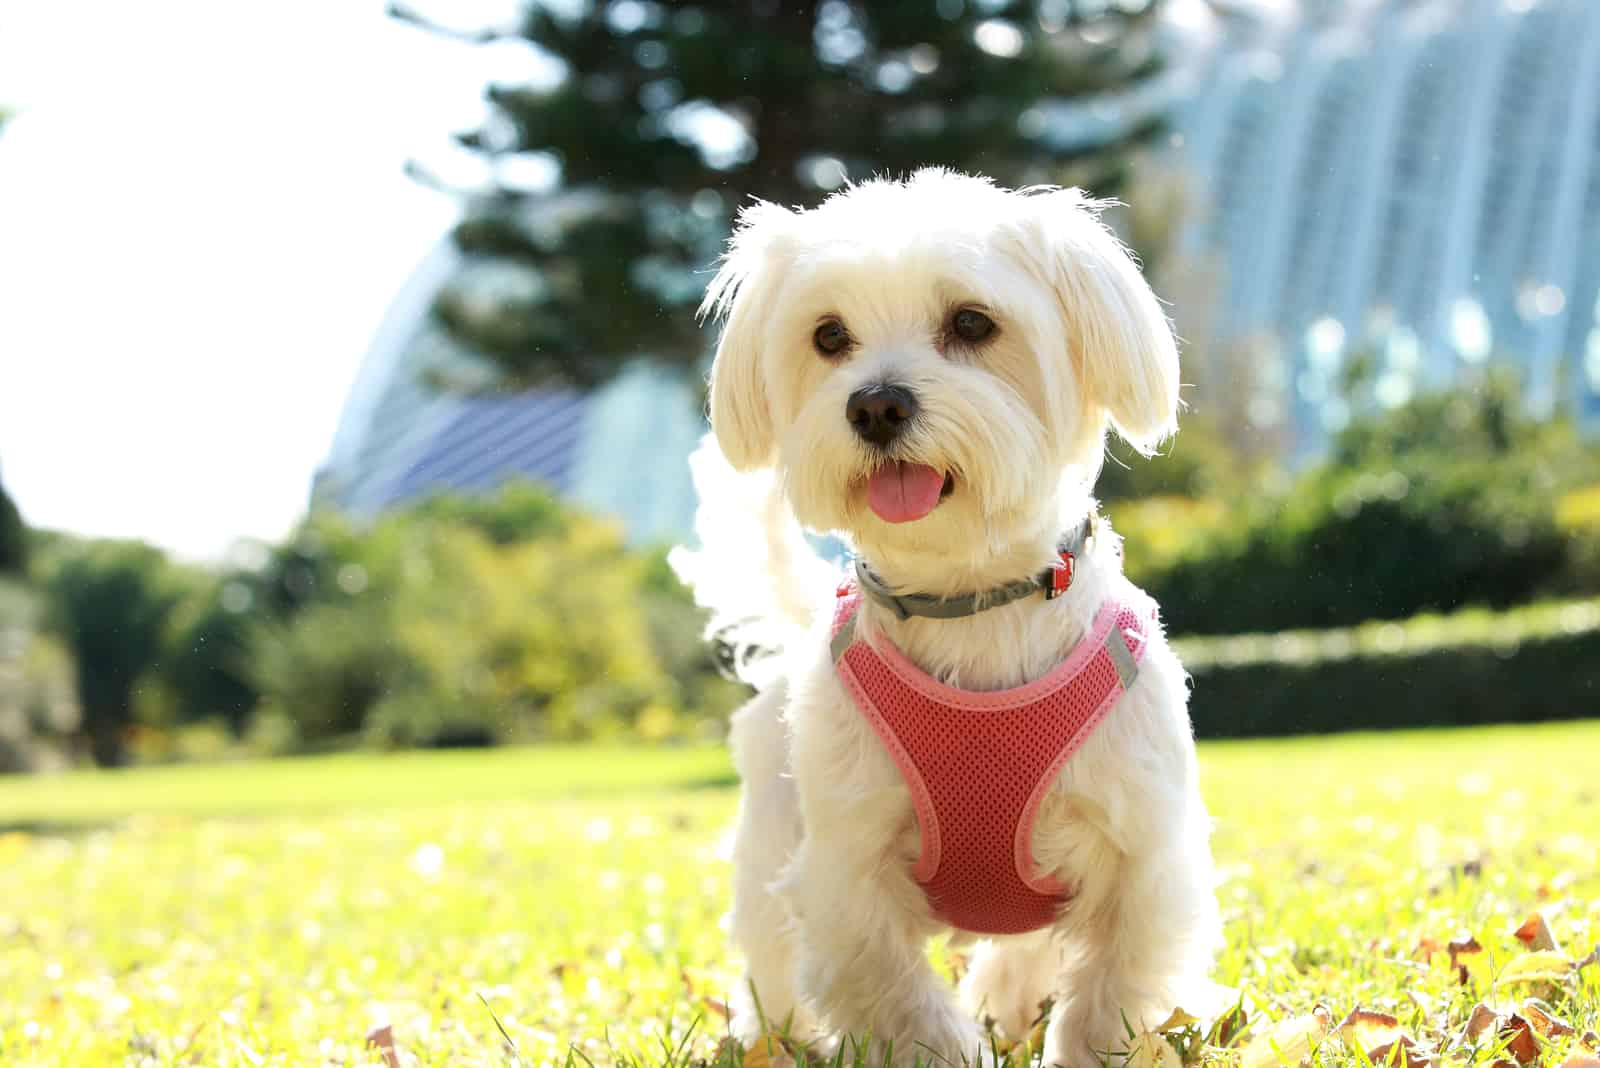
976, 765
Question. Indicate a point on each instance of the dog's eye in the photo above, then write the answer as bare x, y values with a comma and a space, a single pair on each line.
971, 325
831, 338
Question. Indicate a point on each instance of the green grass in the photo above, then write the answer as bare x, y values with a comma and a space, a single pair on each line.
269, 913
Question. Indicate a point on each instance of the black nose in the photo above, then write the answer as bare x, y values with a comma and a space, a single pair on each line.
878, 413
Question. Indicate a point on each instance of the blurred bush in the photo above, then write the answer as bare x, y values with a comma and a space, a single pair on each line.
475, 622
38, 699
110, 603
1444, 502
1540, 662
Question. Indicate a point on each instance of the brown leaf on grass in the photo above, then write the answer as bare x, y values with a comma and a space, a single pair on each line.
1289, 1042
1592, 958
1410, 1053
1544, 1019
1377, 1034
381, 1038
1229, 1026
1523, 1044
1425, 949
1535, 933
1179, 1020
1367, 1028
1150, 1050
1460, 946
1482, 1019
1581, 1059
768, 1051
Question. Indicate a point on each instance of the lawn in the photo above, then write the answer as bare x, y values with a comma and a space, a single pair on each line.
272, 913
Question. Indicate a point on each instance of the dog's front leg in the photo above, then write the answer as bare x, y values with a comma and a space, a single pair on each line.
768, 836
862, 963
1127, 828
862, 920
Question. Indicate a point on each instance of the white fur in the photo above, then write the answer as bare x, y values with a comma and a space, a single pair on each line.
831, 923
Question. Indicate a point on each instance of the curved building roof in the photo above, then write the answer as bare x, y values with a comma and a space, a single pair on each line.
621, 450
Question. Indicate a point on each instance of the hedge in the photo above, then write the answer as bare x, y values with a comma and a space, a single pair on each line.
1540, 662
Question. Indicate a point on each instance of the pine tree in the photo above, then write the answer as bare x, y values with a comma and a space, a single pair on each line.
670, 115
13, 537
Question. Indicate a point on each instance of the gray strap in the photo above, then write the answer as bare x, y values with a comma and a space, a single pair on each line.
841, 641
1122, 657
906, 605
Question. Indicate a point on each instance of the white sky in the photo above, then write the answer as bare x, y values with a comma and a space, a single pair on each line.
202, 219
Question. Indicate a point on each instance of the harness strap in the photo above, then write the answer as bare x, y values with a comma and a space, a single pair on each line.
1116, 642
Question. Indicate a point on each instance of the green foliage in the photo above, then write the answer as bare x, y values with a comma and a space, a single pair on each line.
111, 602
801, 96
477, 622
1445, 502
1527, 665
516, 512
38, 701
1195, 463
206, 670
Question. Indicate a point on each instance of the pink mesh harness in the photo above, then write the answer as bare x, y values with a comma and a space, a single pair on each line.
979, 763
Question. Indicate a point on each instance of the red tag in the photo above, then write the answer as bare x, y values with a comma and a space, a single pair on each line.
1061, 577
843, 589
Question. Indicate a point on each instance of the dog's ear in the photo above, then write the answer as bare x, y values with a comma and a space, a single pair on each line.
1121, 340
740, 297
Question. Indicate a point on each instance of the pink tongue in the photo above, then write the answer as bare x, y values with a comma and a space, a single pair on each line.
900, 492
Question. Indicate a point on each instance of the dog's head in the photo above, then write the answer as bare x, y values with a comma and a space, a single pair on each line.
924, 361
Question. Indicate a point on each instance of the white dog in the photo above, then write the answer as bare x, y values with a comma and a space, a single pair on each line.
985, 731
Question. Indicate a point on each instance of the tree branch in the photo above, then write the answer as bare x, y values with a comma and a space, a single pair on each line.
485, 35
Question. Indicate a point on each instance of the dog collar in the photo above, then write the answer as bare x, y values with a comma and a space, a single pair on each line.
1053, 581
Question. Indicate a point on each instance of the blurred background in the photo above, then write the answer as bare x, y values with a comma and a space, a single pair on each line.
348, 362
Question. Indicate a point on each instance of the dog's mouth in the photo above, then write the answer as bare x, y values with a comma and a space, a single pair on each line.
902, 492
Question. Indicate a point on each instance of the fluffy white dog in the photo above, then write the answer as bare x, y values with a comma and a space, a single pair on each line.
928, 368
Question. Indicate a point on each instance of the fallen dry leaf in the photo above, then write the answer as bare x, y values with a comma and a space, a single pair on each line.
1535, 933
718, 1007
1483, 1018
381, 1038
1460, 946
768, 1051
1229, 1026
1366, 1029
1523, 1044
1544, 1019
1289, 1042
1176, 1022
1150, 1050
1581, 1059
1410, 1053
